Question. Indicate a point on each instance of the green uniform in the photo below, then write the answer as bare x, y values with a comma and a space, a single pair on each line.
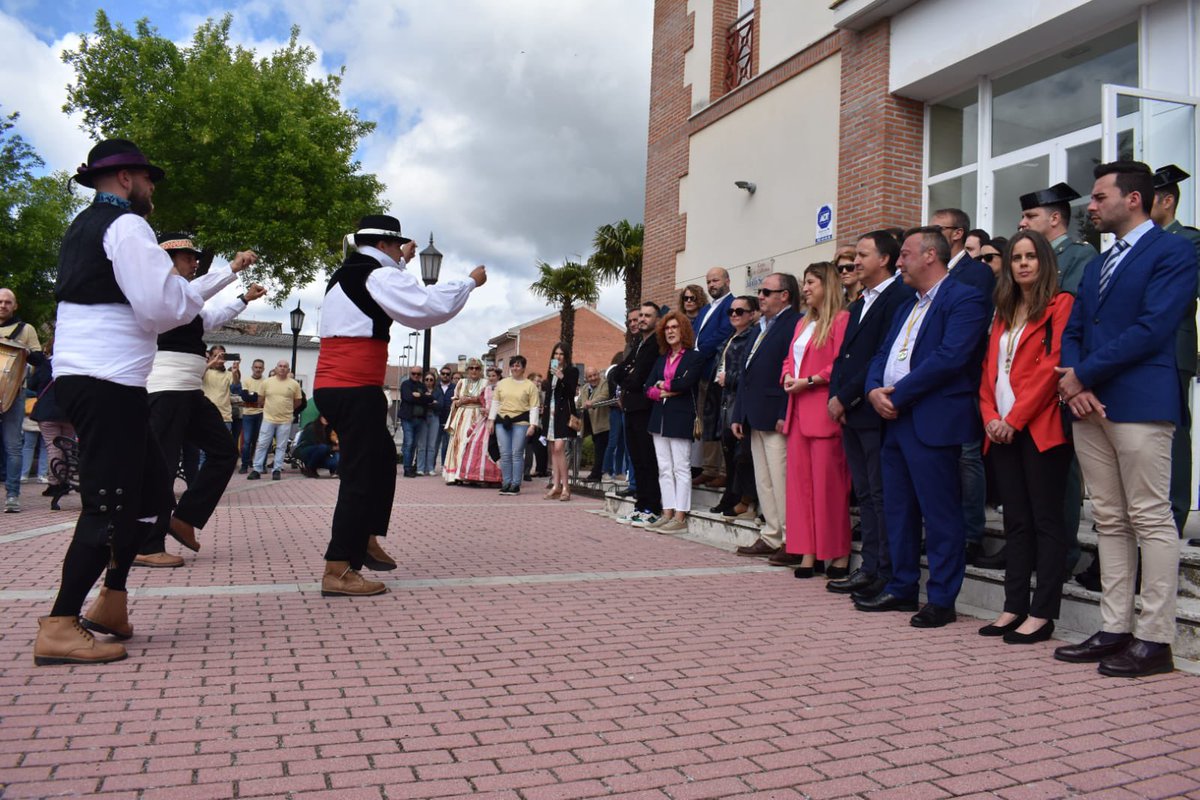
1073, 256
1185, 361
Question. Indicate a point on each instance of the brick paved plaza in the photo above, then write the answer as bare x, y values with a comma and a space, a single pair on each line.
535, 650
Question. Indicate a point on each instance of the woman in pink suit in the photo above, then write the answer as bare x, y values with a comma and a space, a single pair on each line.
818, 479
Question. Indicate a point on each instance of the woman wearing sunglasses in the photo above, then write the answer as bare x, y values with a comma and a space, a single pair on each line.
848, 273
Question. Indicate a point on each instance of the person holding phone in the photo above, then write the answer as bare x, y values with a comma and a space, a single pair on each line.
558, 410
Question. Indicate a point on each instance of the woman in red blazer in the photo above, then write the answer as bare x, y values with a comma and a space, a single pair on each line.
1023, 424
818, 479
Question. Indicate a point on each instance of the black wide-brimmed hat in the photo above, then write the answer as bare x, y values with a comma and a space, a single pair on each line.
381, 225
1169, 176
110, 156
1058, 193
178, 242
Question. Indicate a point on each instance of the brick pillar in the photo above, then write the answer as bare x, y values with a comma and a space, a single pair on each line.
879, 174
667, 151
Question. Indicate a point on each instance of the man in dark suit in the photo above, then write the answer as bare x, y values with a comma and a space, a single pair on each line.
920, 383
631, 375
760, 409
954, 224
443, 397
1119, 377
871, 318
712, 331
414, 402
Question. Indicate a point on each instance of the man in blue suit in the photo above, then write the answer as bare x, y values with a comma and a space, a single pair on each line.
761, 406
713, 329
443, 397
871, 317
1119, 377
954, 224
921, 383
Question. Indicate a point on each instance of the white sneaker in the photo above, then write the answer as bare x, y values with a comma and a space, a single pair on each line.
632, 518
43, 479
647, 521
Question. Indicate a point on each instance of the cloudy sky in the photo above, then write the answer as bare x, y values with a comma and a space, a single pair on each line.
510, 129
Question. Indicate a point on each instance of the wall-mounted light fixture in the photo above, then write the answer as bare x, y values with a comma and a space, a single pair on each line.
747, 185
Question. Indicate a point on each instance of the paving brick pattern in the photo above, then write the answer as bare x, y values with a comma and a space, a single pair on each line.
571, 658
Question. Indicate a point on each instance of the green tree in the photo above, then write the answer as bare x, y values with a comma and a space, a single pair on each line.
564, 287
34, 214
618, 257
257, 154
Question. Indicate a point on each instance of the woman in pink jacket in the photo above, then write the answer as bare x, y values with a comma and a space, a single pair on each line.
818, 479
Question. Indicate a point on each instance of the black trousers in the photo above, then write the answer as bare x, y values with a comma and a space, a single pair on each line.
367, 465
122, 479
863, 447
739, 469
599, 445
645, 462
179, 419
1032, 486
535, 455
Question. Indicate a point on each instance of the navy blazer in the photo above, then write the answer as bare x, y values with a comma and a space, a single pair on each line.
444, 397
978, 274
862, 341
1123, 346
939, 390
761, 401
674, 416
712, 338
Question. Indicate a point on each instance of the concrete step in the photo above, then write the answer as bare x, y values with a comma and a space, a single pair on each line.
982, 594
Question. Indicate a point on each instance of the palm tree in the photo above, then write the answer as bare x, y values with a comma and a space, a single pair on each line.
618, 257
564, 287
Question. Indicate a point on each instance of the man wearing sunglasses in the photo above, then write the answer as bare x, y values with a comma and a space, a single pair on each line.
443, 398
414, 402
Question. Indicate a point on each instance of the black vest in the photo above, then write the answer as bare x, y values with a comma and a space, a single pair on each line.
352, 277
85, 273
184, 339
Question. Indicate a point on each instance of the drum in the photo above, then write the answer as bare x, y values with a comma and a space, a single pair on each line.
12, 372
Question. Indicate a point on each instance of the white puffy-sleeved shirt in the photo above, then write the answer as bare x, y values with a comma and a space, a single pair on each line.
177, 372
116, 342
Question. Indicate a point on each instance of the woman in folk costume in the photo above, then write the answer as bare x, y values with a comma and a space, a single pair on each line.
477, 464
468, 409
365, 295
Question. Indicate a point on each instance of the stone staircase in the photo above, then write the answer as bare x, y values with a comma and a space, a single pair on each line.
982, 594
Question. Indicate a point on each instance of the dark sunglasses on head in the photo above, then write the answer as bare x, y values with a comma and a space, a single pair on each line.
737, 312
846, 268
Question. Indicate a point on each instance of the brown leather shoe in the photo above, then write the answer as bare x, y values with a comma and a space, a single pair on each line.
759, 548
109, 614
1139, 659
62, 640
785, 559
376, 558
184, 533
1097, 646
340, 580
158, 560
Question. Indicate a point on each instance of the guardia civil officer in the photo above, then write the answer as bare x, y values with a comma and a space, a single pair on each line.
117, 291
368, 292
1049, 213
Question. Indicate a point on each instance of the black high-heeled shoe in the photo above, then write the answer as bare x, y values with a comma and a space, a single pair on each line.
836, 573
1040, 635
1000, 630
804, 572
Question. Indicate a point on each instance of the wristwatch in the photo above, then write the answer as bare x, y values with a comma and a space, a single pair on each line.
811, 382
242, 297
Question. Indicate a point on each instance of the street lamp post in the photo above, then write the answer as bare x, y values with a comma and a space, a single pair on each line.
431, 267
297, 318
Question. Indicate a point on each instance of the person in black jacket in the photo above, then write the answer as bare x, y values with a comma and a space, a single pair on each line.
558, 407
740, 491
631, 375
413, 403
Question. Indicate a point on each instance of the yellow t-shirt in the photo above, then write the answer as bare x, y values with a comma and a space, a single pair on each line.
253, 384
279, 399
516, 397
28, 335
216, 389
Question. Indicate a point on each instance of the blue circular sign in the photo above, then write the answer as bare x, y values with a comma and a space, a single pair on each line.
824, 216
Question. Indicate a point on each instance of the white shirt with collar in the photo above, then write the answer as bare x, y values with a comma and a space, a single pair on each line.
898, 368
955, 259
871, 295
1130, 239
712, 308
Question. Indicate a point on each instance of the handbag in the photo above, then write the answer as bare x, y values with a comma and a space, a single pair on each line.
575, 423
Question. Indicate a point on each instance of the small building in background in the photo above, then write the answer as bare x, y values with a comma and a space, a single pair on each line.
597, 338
251, 339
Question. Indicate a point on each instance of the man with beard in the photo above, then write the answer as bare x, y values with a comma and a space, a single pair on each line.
117, 291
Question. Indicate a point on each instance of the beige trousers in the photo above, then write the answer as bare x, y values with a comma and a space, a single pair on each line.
1127, 468
769, 451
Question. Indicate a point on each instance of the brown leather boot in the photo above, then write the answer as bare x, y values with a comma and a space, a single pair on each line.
158, 560
184, 533
62, 640
376, 558
109, 614
340, 580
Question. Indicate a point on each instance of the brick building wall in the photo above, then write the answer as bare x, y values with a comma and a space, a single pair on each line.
597, 338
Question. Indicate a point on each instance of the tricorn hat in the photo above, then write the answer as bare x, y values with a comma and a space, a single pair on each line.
178, 242
111, 155
1058, 193
1168, 176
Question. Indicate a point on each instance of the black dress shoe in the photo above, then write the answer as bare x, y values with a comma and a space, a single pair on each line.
855, 581
1000, 630
622, 493
1139, 659
885, 602
997, 560
836, 573
974, 550
933, 616
1042, 634
803, 572
1096, 647
872, 589
1090, 577
718, 509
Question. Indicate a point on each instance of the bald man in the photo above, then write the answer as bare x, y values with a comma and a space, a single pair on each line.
713, 329
23, 334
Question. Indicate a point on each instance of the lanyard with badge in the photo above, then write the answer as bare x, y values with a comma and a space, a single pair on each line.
914, 317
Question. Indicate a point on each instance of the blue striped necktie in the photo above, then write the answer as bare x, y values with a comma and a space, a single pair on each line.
1110, 264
